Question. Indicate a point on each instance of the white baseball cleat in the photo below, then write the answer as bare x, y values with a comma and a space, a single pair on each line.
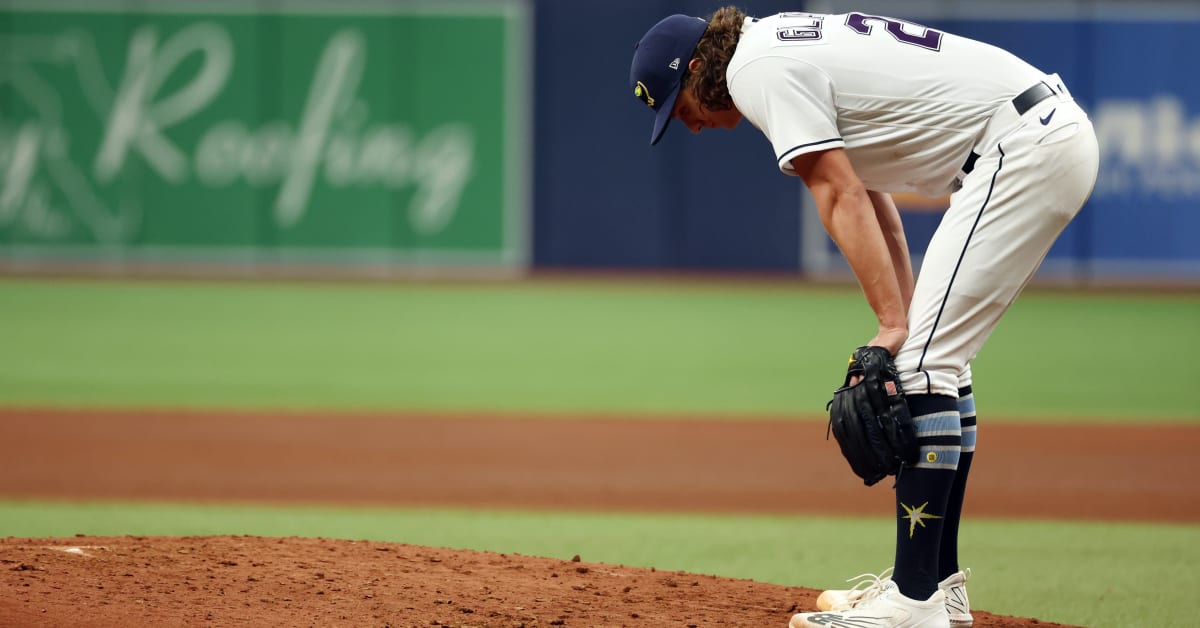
867, 586
886, 608
957, 604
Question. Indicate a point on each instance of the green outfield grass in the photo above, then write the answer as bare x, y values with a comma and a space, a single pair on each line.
556, 347
721, 349
1048, 570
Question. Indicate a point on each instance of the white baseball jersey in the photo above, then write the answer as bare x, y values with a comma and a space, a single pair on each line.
906, 102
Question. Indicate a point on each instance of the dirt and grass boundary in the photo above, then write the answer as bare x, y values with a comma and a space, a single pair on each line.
477, 461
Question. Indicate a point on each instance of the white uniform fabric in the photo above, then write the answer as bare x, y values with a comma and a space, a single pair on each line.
910, 105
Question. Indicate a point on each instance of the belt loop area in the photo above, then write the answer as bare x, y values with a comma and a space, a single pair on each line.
970, 163
1022, 103
1027, 99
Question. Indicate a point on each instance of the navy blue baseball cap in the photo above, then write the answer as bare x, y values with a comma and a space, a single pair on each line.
660, 60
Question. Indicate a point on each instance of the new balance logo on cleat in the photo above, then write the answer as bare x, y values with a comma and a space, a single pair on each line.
883, 606
956, 600
837, 620
958, 605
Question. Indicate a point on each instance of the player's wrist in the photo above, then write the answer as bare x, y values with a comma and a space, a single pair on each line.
891, 338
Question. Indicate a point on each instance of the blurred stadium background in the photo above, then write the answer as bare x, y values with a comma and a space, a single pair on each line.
481, 163
407, 138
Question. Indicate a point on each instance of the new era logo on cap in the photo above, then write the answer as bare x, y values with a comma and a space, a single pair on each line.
659, 64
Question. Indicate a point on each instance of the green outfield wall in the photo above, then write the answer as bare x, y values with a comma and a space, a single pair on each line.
255, 132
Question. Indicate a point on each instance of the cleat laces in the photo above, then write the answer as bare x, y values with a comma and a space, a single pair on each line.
867, 587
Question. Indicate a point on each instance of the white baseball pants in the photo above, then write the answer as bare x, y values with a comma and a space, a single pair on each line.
1033, 174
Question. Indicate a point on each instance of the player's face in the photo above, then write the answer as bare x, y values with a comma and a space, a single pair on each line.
696, 117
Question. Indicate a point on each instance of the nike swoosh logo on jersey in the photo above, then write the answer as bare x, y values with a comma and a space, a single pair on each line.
1046, 120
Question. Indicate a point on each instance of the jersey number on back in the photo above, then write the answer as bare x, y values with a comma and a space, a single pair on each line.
928, 38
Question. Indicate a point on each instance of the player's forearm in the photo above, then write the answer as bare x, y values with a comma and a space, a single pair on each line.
849, 216
893, 233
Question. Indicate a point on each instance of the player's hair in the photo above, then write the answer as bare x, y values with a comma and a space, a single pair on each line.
714, 51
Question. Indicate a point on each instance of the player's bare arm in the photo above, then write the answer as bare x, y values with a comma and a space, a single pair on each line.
849, 215
893, 233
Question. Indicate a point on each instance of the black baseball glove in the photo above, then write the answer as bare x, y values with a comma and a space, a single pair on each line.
870, 420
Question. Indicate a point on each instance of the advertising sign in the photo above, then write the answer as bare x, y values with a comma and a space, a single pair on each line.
270, 132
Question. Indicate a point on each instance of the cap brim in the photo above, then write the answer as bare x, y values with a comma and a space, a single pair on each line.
663, 118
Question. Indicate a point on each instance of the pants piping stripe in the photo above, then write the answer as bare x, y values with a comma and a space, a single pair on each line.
967, 244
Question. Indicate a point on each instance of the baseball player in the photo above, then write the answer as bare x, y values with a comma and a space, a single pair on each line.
859, 106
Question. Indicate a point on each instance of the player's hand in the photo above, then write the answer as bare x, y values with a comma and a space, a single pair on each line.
888, 338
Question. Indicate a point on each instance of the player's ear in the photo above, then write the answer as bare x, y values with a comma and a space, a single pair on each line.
695, 64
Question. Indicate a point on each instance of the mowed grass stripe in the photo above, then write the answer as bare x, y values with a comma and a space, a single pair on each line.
638, 348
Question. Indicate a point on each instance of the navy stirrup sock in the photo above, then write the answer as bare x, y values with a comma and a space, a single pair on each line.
948, 555
922, 493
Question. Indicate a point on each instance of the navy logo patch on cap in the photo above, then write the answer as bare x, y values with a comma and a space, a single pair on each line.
643, 94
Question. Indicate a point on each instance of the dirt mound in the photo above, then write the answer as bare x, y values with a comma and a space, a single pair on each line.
256, 581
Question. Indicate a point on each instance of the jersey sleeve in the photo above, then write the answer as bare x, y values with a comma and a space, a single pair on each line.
791, 102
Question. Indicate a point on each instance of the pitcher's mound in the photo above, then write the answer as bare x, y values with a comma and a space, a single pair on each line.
256, 581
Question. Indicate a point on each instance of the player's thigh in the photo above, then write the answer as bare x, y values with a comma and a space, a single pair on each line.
998, 229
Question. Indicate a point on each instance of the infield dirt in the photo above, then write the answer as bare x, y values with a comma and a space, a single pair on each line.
580, 463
